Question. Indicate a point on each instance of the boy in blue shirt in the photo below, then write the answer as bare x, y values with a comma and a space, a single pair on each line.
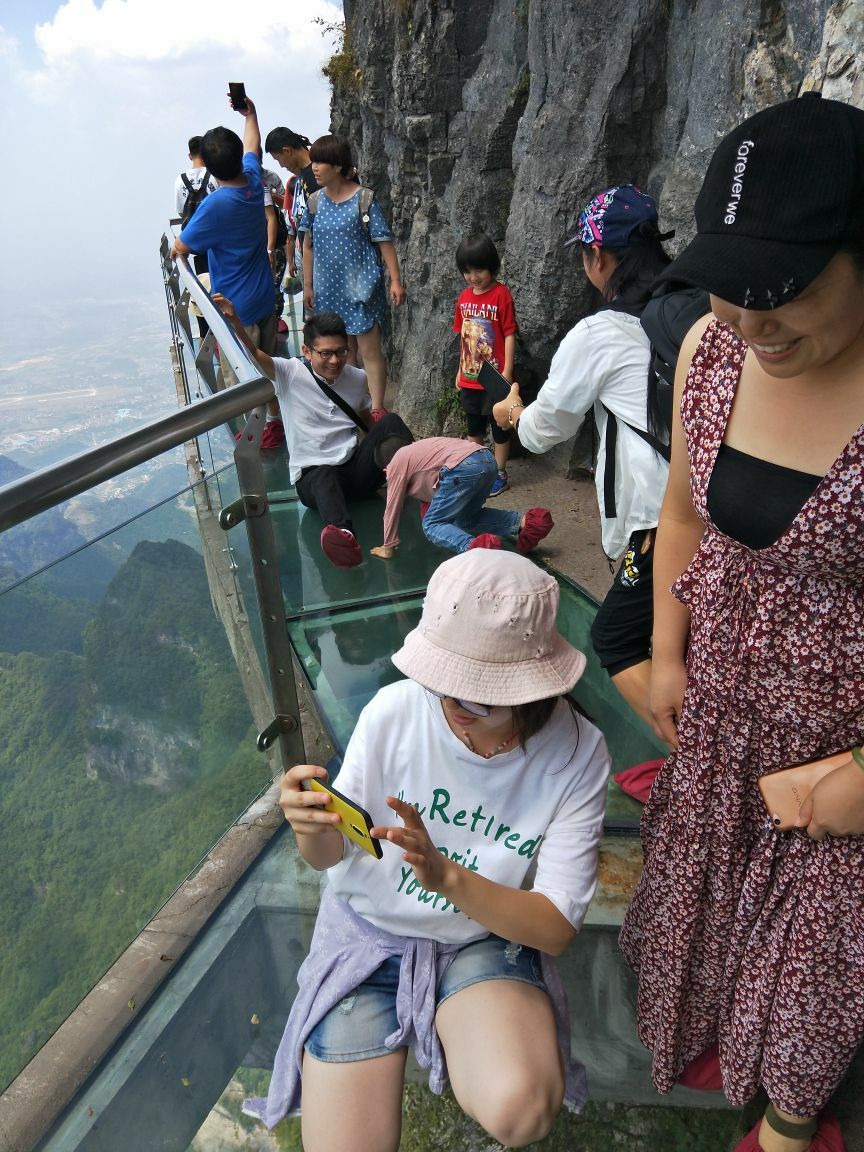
230, 226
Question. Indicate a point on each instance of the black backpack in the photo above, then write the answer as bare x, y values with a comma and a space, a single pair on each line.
666, 319
194, 196
282, 232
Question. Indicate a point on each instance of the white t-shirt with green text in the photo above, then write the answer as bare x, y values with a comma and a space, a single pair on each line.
539, 809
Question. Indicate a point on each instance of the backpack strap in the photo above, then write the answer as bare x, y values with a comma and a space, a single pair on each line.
664, 450
186, 181
367, 195
335, 397
312, 203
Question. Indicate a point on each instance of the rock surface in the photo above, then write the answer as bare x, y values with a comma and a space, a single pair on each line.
508, 115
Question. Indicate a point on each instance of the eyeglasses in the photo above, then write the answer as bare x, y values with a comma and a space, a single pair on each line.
331, 353
466, 705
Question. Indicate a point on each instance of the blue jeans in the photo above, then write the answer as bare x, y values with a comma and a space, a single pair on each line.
456, 514
355, 1029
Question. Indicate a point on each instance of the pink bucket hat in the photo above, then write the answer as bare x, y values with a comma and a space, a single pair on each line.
488, 632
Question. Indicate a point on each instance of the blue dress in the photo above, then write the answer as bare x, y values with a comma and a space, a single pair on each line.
347, 276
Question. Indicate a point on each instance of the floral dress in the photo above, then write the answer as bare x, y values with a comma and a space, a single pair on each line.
739, 934
347, 276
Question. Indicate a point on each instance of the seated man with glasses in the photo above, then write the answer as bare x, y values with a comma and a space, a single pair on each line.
324, 403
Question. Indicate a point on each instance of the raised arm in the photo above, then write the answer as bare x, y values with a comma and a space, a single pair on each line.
251, 131
678, 535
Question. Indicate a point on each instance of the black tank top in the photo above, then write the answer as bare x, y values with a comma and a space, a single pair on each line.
754, 501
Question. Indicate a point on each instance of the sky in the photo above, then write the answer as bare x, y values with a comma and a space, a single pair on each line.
100, 98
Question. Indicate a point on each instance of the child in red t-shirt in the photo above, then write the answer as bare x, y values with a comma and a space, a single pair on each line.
486, 322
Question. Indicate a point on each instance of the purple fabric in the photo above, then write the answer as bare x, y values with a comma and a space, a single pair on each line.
346, 949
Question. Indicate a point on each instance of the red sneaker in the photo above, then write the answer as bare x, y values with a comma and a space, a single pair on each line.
485, 540
273, 435
377, 413
538, 524
637, 782
703, 1073
340, 547
281, 327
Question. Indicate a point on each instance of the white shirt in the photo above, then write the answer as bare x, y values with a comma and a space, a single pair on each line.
316, 429
535, 810
604, 361
194, 176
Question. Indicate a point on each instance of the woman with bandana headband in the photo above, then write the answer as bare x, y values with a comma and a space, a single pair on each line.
602, 364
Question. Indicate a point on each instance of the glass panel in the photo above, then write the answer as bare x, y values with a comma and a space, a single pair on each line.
126, 749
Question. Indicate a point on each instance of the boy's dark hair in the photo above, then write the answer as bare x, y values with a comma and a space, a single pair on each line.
279, 138
639, 263
323, 324
478, 251
194, 145
222, 152
332, 150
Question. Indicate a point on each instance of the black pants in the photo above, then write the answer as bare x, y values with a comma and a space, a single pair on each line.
328, 487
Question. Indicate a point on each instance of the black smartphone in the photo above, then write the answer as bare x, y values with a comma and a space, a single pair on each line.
494, 385
237, 93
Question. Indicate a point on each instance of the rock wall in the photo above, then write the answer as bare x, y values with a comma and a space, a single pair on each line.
507, 115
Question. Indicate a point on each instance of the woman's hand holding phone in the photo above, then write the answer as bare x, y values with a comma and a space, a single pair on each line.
304, 810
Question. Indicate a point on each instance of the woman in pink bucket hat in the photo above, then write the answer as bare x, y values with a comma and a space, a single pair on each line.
445, 944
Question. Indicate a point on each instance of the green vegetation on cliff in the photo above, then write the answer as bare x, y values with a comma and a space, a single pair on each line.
124, 754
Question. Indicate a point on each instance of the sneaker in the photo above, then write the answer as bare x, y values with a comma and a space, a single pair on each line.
485, 540
340, 547
281, 327
273, 435
501, 484
377, 414
538, 525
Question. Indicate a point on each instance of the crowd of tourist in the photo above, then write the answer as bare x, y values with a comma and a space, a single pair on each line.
734, 626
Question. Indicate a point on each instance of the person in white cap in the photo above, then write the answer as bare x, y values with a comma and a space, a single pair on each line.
445, 943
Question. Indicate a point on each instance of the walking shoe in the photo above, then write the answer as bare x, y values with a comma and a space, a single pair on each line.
703, 1073
273, 435
340, 547
377, 414
537, 524
281, 327
501, 484
484, 540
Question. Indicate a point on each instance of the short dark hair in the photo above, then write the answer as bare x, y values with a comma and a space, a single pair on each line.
222, 152
194, 145
279, 138
478, 251
332, 150
323, 324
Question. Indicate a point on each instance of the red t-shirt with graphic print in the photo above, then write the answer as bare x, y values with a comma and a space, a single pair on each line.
483, 320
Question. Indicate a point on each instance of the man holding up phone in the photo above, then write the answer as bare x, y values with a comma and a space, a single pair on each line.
230, 226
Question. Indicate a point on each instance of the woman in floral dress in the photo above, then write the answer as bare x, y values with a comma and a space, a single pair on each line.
743, 937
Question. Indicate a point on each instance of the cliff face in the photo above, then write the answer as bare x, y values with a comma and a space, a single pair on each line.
507, 115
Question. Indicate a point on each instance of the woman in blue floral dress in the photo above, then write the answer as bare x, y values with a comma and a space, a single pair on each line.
347, 247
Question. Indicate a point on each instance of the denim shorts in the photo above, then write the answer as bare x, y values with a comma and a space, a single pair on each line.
355, 1029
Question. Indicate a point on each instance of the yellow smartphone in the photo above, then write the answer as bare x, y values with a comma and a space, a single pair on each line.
356, 823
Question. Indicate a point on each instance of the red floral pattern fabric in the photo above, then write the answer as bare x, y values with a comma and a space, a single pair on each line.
740, 935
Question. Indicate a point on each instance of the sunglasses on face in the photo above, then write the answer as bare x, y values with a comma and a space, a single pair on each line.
481, 710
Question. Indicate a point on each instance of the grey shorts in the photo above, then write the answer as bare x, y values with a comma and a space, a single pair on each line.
355, 1029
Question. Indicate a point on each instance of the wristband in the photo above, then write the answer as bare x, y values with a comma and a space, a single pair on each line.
518, 404
858, 757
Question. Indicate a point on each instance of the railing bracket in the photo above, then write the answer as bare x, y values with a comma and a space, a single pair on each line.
274, 729
240, 510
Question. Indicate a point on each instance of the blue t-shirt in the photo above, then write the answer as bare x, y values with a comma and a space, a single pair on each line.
231, 227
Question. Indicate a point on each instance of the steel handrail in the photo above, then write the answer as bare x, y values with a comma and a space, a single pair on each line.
26, 497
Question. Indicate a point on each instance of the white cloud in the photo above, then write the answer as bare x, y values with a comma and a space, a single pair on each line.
96, 124
152, 30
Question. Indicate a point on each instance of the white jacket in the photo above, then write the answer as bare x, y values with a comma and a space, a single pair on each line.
604, 361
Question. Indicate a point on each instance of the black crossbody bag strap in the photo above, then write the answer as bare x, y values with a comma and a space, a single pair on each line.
335, 398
